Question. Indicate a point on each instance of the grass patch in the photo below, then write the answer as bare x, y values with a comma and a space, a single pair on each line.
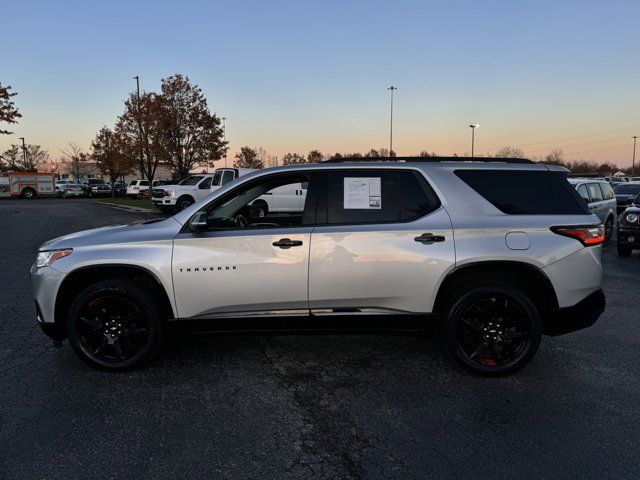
130, 202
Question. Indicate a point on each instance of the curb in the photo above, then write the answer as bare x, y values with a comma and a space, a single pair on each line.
128, 208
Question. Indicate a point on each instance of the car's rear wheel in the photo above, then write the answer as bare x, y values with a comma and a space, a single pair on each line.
262, 208
115, 325
28, 193
491, 329
608, 228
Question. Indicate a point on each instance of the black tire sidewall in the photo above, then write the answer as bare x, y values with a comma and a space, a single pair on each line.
610, 231
464, 297
182, 200
147, 304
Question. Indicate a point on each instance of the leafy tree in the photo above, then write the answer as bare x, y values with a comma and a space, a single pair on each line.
510, 152
141, 132
247, 157
8, 111
193, 136
110, 158
293, 158
11, 158
315, 156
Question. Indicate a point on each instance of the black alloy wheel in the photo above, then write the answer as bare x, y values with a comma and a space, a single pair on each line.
492, 330
115, 325
608, 228
184, 202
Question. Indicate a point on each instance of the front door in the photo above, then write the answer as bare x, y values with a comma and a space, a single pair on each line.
384, 247
243, 264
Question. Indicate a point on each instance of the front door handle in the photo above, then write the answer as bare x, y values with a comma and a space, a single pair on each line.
429, 238
287, 243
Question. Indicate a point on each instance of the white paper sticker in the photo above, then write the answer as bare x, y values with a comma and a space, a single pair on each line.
362, 193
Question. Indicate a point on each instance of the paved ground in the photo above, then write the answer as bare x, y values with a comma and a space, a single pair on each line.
327, 406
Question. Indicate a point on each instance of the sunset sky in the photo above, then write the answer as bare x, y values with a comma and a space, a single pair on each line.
297, 75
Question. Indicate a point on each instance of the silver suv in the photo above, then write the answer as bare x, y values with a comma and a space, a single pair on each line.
468, 246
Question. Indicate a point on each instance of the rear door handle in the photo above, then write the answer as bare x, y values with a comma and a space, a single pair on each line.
429, 238
287, 243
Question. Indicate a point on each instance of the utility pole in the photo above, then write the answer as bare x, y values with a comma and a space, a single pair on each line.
224, 138
24, 152
473, 137
633, 162
392, 88
137, 78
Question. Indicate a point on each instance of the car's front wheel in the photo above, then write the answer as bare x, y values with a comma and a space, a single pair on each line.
184, 202
608, 228
491, 329
115, 325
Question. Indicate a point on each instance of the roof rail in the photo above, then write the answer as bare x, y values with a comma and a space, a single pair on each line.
429, 159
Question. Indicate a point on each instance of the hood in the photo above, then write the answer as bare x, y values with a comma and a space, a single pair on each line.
632, 209
625, 196
135, 232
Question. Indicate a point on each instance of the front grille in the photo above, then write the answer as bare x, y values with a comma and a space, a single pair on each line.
158, 193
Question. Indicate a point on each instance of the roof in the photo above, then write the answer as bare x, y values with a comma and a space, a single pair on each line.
429, 159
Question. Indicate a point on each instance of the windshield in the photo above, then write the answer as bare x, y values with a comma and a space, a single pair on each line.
192, 180
627, 189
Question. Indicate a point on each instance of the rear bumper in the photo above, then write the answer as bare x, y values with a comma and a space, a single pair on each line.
581, 315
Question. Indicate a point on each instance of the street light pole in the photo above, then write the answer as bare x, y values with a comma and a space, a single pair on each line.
392, 88
137, 78
224, 138
473, 137
633, 162
24, 152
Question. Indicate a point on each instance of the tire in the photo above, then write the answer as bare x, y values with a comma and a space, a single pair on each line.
492, 330
624, 251
263, 208
608, 228
115, 325
184, 202
28, 193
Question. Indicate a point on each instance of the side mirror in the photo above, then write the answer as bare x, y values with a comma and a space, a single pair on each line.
199, 221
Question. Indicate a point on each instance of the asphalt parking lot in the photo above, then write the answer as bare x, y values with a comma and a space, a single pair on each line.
308, 406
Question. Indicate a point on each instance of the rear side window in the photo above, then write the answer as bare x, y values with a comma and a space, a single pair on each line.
526, 192
228, 176
594, 192
144, 183
377, 196
582, 190
607, 191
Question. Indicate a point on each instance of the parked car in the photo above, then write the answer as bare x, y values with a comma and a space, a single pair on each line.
625, 194
120, 189
68, 188
470, 245
629, 229
601, 200
95, 187
134, 188
193, 188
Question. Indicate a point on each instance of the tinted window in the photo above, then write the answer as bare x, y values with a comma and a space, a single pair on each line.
594, 192
193, 180
627, 189
228, 176
144, 183
526, 192
205, 184
388, 197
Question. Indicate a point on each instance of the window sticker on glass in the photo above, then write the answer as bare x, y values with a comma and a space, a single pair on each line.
362, 193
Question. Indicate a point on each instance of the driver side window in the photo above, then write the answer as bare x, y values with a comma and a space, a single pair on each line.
276, 201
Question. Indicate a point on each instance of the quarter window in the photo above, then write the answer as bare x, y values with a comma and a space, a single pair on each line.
582, 190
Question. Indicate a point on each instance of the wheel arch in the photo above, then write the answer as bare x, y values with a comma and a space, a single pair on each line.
526, 277
83, 277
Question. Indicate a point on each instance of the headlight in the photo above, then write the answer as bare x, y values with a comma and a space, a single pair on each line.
44, 259
168, 193
631, 217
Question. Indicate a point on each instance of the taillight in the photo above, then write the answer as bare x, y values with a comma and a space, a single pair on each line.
588, 236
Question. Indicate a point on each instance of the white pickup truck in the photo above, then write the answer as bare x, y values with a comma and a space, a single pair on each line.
289, 198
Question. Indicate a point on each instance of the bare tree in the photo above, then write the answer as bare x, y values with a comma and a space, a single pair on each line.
425, 153
8, 111
555, 157
247, 157
510, 152
76, 161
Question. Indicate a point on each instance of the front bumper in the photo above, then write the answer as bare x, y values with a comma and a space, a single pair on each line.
55, 331
169, 201
629, 237
581, 315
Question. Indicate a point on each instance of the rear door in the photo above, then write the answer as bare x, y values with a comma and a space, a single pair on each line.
382, 243
596, 203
